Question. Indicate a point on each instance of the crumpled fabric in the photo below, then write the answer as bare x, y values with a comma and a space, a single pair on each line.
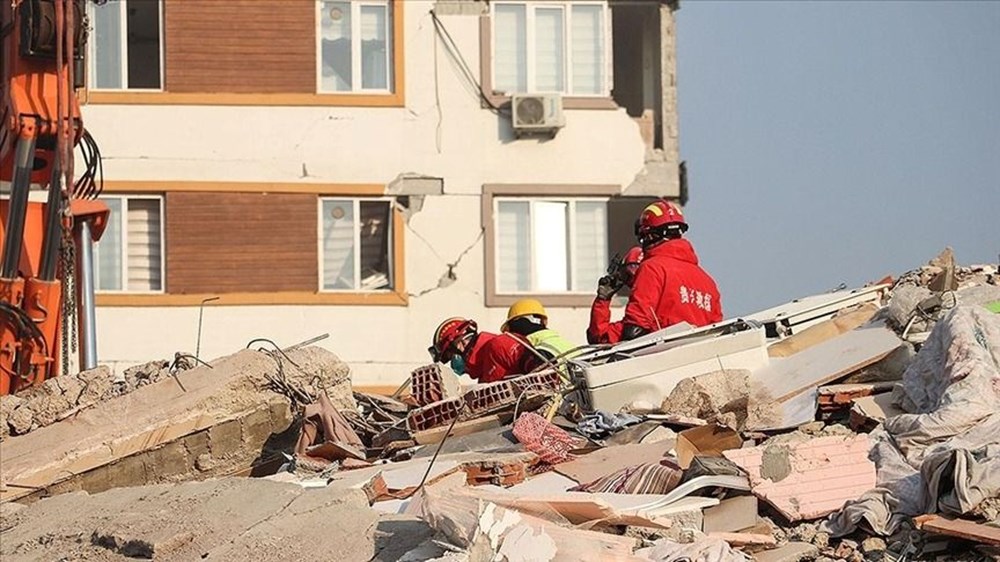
704, 550
944, 454
601, 424
647, 478
552, 444
322, 423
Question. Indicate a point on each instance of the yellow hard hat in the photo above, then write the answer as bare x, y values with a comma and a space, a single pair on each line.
525, 307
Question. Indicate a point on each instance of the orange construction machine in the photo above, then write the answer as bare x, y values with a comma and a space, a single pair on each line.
49, 216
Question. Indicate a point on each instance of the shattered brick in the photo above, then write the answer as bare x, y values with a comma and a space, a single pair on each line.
429, 384
546, 381
435, 415
486, 398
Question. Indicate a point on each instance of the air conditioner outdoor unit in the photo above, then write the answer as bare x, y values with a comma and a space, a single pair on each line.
537, 113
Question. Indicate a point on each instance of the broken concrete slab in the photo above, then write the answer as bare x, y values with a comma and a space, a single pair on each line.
869, 411
211, 520
222, 408
719, 396
731, 515
807, 478
787, 379
653, 371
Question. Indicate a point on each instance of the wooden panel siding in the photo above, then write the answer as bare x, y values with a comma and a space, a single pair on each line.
241, 242
240, 46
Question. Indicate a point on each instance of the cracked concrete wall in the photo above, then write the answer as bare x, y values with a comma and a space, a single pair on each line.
455, 140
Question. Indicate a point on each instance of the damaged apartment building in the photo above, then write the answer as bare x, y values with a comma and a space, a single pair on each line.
368, 168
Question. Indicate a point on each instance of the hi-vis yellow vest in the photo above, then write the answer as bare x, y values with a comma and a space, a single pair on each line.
551, 344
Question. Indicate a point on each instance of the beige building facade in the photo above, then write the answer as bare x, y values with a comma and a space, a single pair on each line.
368, 168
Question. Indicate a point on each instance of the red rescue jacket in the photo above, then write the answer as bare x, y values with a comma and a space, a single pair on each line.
496, 356
602, 329
670, 288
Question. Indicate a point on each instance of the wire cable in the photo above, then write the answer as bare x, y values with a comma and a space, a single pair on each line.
456, 54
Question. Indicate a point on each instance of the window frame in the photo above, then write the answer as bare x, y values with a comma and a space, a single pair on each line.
123, 46
531, 6
123, 228
392, 246
356, 69
492, 194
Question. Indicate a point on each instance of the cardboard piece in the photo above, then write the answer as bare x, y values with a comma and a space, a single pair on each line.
706, 440
731, 515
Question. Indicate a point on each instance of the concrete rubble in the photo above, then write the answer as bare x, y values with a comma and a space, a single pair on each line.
850, 426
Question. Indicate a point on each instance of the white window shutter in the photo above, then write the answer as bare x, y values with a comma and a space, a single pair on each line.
510, 48
513, 240
588, 49
550, 48
144, 248
591, 244
108, 250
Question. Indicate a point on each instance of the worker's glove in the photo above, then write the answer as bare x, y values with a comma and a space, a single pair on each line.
607, 287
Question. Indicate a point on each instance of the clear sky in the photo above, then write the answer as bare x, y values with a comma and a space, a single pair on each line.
837, 142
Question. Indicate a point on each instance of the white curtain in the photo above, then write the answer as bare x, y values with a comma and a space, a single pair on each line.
106, 61
374, 48
510, 51
338, 244
144, 247
588, 49
108, 250
591, 247
550, 45
551, 255
335, 47
513, 247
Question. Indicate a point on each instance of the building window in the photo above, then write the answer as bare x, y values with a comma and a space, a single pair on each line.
355, 46
129, 256
550, 47
356, 245
550, 245
126, 45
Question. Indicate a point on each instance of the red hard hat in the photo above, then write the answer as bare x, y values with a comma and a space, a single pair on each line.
631, 263
448, 333
659, 214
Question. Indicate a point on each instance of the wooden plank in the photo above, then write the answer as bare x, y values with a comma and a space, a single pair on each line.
961, 528
240, 46
240, 242
786, 378
431, 436
823, 331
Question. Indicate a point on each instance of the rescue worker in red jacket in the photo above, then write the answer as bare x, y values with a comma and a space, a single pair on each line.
669, 287
483, 356
602, 329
